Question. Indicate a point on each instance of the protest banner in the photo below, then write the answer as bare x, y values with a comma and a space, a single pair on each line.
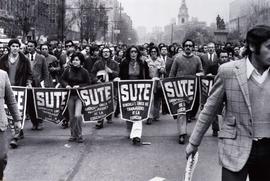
50, 103
97, 101
135, 97
179, 93
206, 83
20, 94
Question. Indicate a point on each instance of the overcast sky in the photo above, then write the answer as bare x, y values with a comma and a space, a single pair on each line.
150, 13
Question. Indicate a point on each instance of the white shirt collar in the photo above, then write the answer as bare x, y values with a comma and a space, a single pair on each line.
251, 71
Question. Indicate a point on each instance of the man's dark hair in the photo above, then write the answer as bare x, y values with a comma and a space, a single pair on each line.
101, 51
33, 41
256, 37
69, 41
184, 42
16, 41
44, 44
222, 51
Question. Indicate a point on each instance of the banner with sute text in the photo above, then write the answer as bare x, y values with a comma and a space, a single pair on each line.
50, 103
135, 98
20, 94
97, 101
206, 84
179, 93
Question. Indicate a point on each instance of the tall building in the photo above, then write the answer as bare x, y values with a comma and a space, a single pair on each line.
183, 14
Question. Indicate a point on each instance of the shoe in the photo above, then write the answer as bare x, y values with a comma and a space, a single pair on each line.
116, 114
136, 140
182, 139
64, 124
40, 127
13, 143
72, 139
155, 119
215, 134
149, 121
189, 120
80, 140
99, 125
21, 135
34, 128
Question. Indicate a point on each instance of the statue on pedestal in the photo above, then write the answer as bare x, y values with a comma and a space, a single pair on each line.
220, 23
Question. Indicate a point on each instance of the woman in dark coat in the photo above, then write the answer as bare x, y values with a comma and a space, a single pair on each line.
133, 68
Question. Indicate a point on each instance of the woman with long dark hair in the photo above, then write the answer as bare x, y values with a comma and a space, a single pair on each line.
133, 68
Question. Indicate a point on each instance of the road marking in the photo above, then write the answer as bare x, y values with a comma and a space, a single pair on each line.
157, 179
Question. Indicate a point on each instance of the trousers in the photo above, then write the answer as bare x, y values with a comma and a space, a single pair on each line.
75, 116
3, 152
257, 166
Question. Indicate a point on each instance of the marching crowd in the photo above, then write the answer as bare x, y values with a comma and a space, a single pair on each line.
71, 66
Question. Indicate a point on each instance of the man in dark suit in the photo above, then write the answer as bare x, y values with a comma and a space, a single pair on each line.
168, 65
40, 73
210, 67
243, 87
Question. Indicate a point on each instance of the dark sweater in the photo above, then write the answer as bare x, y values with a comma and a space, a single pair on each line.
75, 76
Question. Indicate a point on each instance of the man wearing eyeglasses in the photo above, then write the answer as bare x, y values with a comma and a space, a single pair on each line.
186, 64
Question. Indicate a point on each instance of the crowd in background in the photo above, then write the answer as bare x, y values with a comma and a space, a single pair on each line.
71, 66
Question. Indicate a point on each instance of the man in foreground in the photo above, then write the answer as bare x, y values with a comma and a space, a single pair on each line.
243, 86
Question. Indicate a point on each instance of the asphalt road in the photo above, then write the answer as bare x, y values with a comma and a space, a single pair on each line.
108, 155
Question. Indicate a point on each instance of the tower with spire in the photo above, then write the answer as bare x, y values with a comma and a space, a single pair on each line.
183, 14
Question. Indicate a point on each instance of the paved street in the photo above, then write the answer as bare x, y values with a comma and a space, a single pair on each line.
108, 155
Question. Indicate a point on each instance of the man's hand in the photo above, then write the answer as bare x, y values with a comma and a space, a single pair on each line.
191, 149
68, 86
155, 78
76, 86
199, 74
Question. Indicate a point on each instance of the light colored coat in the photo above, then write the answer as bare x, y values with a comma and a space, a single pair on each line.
236, 135
7, 96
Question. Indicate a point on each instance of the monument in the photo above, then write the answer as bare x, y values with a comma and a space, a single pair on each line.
221, 33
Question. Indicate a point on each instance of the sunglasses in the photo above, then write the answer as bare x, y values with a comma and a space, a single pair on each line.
188, 45
68, 46
133, 51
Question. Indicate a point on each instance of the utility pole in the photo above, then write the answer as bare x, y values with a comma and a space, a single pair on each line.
62, 19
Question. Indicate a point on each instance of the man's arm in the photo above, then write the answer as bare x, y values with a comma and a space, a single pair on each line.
208, 114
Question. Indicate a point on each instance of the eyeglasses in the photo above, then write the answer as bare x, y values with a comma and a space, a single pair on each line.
133, 51
106, 52
188, 45
153, 51
68, 46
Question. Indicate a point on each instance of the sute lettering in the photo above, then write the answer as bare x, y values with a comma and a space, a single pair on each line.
179, 88
96, 96
51, 99
135, 92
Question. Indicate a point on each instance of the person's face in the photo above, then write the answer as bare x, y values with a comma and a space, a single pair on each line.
69, 47
211, 48
106, 53
133, 53
87, 50
205, 49
163, 51
31, 47
45, 50
120, 53
113, 51
263, 59
236, 51
188, 47
153, 53
14, 48
76, 62
96, 52
5, 51
224, 57
59, 46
